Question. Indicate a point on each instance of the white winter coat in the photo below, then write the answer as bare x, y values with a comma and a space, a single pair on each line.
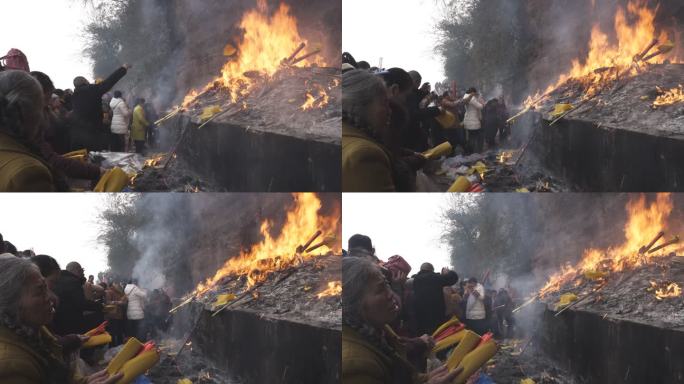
473, 115
475, 309
120, 116
136, 302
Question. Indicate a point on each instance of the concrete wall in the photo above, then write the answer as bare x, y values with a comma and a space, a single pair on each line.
244, 160
612, 351
263, 350
601, 159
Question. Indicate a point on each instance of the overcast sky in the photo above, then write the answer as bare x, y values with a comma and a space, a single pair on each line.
61, 225
406, 224
399, 31
50, 34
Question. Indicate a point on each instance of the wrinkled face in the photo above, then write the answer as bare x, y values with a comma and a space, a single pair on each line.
35, 304
379, 113
378, 306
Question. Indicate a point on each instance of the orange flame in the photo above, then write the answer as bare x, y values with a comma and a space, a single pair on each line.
267, 40
334, 289
643, 224
315, 102
674, 95
665, 292
607, 60
278, 253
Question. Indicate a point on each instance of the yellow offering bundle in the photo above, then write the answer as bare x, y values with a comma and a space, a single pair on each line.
114, 180
475, 360
441, 150
81, 155
98, 336
565, 300
133, 360
446, 119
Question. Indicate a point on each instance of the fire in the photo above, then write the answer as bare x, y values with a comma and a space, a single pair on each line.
154, 161
315, 102
309, 103
674, 95
266, 42
278, 253
334, 289
504, 156
608, 60
644, 222
666, 291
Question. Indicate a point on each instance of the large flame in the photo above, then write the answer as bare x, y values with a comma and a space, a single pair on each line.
609, 59
280, 252
267, 41
643, 224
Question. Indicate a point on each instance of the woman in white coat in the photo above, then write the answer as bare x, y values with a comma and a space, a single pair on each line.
472, 122
135, 312
120, 118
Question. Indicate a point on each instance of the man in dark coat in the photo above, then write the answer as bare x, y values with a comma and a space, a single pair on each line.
416, 135
429, 297
88, 128
69, 317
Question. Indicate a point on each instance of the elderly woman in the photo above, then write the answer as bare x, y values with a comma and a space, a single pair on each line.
366, 162
29, 353
22, 167
371, 352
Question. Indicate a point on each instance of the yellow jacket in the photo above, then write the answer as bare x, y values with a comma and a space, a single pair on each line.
364, 363
366, 164
20, 170
139, 125
21, 364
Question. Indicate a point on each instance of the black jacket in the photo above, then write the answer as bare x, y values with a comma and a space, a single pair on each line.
72, 303
415, 136
86, 102
429, 299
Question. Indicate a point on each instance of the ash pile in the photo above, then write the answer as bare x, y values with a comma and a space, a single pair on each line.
650, 101
518, 360
303, 102
193, 366
495, 170
649, 293
307, 293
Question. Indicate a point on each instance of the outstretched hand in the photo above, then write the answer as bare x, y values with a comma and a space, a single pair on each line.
127, 66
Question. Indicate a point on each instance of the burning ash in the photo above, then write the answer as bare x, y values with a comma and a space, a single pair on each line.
674, 95
638, 44
275, 254
643, 224
334, 289
269, 44
665, 290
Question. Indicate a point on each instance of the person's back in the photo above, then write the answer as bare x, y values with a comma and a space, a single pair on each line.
136, 302
429, 298
120, 117
69, 317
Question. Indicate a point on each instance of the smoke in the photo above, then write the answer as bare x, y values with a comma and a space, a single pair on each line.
177, 45
162, 239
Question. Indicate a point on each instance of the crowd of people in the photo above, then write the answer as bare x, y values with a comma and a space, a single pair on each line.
45, 313
40, 124
390, 118
388, 317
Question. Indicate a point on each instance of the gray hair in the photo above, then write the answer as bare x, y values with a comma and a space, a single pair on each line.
356, 272
13, 274
359, 89
21, 104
